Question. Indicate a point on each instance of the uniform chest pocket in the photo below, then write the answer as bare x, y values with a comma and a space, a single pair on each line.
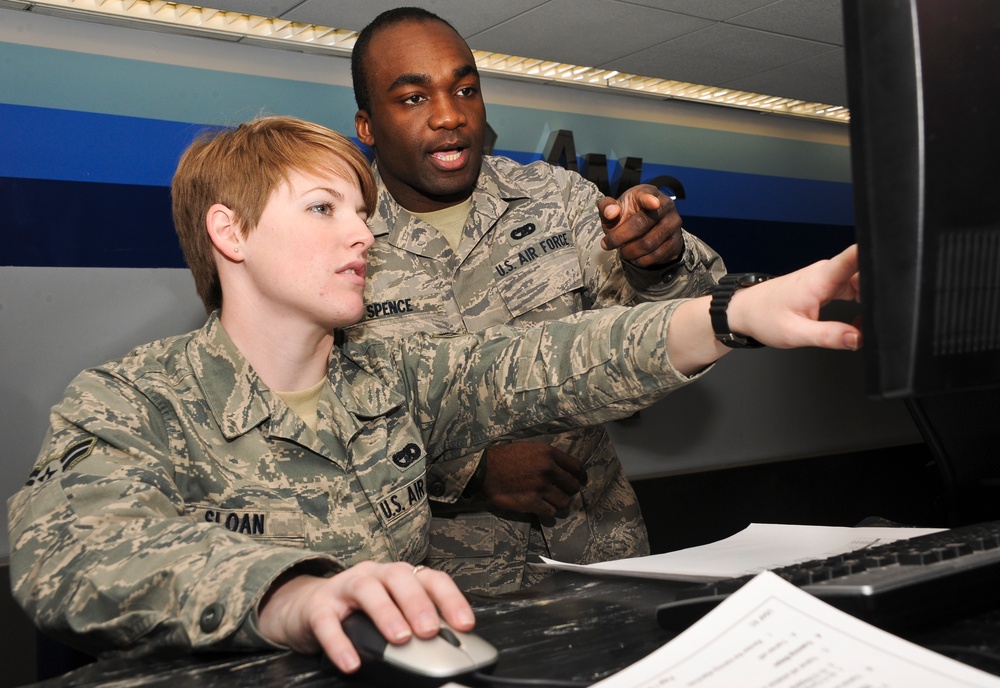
533, 275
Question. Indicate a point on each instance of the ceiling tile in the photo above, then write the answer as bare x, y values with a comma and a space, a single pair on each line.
717, 55
789, 48
817, 20
584, 32
719, 10
819, 79
467, 17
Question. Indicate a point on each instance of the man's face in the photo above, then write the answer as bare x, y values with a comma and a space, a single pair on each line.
426, 117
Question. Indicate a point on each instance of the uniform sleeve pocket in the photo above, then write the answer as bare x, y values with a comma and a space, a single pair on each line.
558, 352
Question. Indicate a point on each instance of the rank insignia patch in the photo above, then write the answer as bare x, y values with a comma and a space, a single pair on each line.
73, 455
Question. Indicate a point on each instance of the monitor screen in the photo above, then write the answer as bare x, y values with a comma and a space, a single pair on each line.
925, 152
925, 143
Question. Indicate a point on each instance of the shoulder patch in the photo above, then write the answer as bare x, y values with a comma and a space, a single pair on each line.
523, 231
55, 465
407, 455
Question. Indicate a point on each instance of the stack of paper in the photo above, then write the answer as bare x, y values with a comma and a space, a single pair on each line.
759, 547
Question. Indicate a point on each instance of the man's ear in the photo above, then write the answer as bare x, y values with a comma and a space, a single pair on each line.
224, 231
363, 125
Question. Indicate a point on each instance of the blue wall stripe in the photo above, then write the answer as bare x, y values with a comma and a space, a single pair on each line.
88, 144
528, 129
44, 143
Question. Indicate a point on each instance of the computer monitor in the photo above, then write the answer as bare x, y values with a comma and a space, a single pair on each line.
925, 145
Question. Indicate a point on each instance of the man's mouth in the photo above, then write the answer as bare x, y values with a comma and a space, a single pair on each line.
448, 156
450, 159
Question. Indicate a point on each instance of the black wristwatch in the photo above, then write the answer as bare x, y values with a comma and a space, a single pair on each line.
721, 295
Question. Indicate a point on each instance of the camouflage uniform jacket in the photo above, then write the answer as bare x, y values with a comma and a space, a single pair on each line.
173, 487
530, 253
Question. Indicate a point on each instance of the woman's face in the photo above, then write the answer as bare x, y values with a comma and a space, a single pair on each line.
306, 257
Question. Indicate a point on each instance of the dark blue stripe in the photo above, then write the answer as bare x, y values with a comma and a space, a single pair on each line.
741, 196
772, 247
80, 224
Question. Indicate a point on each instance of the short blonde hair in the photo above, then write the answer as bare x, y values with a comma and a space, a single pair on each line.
240, 167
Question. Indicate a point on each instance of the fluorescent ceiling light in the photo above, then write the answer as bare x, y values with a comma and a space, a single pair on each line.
251, 29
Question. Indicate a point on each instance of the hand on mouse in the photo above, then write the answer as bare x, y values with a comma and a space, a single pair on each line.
304, 612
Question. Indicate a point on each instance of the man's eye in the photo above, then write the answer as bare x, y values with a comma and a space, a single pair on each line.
467, 92
414, 99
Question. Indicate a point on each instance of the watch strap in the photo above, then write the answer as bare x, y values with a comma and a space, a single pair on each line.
722, 294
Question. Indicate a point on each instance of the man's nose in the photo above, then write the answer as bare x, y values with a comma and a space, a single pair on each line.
446, 114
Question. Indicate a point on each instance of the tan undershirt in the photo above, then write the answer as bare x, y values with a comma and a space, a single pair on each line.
305, 402
449, 221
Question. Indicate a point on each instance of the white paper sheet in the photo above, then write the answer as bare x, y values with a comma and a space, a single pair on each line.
771, 634
756, 548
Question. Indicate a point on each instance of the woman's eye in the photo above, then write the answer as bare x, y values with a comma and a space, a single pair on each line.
322, 208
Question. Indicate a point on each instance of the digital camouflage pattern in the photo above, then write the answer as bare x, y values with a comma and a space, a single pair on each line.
530, 253
173, 486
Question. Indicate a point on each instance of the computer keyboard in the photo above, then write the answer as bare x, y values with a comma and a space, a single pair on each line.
897, 586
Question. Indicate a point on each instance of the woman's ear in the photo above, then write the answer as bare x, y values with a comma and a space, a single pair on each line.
224, 232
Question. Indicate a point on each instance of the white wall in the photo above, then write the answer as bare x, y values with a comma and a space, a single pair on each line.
54, 322
755, 406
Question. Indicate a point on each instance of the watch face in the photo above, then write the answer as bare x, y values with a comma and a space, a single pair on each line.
751, 278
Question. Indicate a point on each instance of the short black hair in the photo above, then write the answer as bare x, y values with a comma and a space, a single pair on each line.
359, 55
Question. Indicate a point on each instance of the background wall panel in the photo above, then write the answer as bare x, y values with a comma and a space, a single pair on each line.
93, 118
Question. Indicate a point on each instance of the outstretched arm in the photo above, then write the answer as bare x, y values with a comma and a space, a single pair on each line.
782, 312
605, 364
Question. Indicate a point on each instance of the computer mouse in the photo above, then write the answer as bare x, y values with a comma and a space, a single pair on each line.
418, 661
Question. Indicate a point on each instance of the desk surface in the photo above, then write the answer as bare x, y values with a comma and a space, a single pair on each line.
569, 626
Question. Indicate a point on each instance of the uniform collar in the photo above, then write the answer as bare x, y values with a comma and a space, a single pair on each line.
394, 224
246, 403
239, 399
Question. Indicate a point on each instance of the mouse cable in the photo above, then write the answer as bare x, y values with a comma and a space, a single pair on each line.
490, 679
